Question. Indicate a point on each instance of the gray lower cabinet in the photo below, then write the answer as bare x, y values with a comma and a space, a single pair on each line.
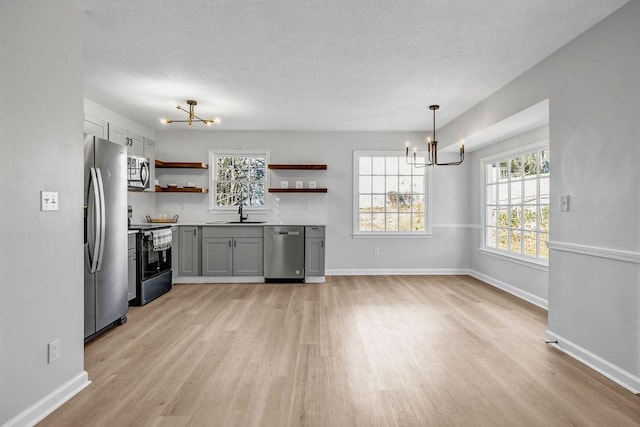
188, 251
232, 251
132, 266
314, 251
217, 256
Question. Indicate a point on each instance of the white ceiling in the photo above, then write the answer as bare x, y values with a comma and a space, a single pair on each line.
318, 65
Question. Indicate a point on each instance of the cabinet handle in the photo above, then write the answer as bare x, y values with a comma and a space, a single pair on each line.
322, 243
194, 232
235, 245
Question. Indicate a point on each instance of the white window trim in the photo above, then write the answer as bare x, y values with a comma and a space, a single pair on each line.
427, 233
506, 255
212, 173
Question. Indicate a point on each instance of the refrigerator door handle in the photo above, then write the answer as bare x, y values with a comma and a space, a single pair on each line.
102, 219
93, 257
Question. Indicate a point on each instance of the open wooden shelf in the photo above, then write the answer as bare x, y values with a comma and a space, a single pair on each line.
297, 167
297, 190
181, 190
181, 165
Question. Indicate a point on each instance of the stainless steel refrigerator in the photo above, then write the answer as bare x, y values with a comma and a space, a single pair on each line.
105, 235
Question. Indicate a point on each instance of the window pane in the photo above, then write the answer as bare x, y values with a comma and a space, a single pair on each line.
365, 184
503, 217
378, 222
365, 222
378, 184
378, 202
490, 237
418, 185
404, 168
417, 221
516, 216
515, 241
544, 191
530, 191
393, 201
365, 203
530, 218
492, 173
544, 163
531, 164
392, 222
516, 192
516, 168
404, 222
378, 166
404, 184
503, 194
544, 218
492, 216
417, 203
530, 244
392, 166
392, 184
502, 239
364, 166
504, 171
492, 194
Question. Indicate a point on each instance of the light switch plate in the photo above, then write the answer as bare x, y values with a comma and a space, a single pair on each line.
564, 203
49, 201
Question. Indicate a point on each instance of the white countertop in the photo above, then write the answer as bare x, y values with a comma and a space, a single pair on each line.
248, 224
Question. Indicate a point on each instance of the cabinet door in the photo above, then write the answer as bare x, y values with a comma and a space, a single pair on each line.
188, 251
216, 256
132, 266
248, 256
95, 126
135, 143
116, 134
314, 257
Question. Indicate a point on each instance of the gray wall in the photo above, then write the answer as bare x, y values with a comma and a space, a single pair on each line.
41, 75
594, 97
445, 251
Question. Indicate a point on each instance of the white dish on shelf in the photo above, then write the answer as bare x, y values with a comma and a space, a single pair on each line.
172, 185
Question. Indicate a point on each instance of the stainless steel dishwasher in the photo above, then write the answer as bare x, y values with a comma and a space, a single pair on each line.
283, 254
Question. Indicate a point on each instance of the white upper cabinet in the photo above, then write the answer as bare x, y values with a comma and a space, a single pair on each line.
95, 126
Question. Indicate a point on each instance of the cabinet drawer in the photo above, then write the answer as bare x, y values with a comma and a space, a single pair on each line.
237, 231
314, 231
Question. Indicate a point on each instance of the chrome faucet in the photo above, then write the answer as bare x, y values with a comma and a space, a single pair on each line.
242, 217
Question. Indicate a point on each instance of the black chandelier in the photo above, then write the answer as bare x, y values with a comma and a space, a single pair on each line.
432, 149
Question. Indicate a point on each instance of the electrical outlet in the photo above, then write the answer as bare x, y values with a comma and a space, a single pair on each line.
54, 350
376, 251
48, 200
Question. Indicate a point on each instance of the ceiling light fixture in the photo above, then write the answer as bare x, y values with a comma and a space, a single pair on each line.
432, 149
192, 115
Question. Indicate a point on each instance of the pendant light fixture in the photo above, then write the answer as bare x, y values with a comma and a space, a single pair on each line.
432, 149
192, 115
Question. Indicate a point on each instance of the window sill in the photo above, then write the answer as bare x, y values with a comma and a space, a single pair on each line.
399, 235
527, 262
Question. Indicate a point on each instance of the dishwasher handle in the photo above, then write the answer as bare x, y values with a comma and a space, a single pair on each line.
290, 233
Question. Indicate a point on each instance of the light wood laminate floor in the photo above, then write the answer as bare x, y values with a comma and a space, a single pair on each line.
355, 351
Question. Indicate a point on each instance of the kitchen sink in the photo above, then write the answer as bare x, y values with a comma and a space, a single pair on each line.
246, 222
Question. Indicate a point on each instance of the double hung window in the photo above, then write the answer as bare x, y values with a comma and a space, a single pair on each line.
390, 196
517, 204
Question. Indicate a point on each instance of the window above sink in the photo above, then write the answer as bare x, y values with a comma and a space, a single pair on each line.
238, 177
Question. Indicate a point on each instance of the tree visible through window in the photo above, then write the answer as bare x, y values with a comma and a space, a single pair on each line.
390, 194
517, 204
239, 179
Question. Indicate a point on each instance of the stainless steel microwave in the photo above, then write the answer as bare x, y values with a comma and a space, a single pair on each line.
138, 172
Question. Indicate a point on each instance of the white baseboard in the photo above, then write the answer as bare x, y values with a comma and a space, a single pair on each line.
595, 362
398, 272
39, 410
529, 297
